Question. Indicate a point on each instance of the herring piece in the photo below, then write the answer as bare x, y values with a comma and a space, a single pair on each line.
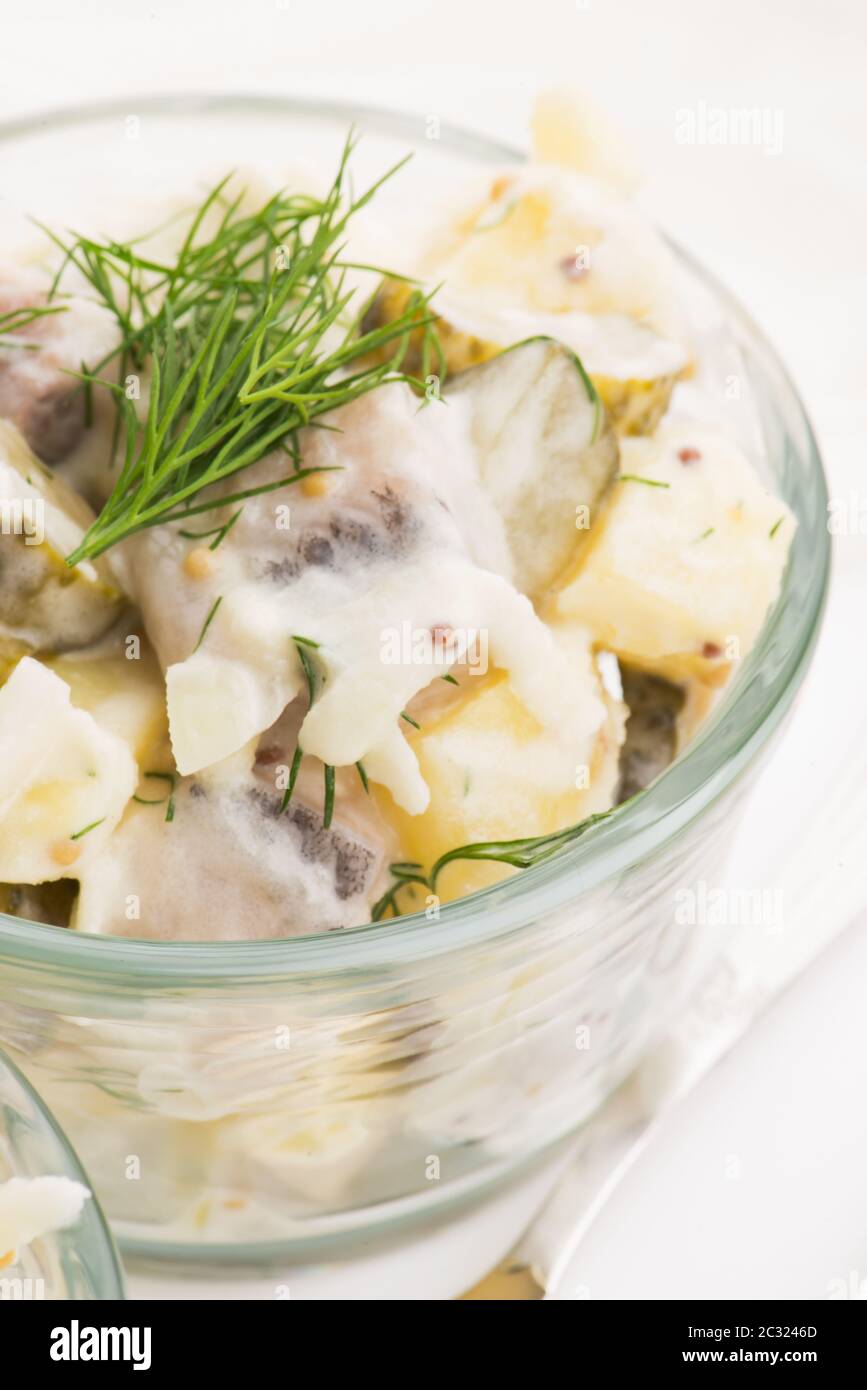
546, 454
39, 392
402, 538
45, 605
64, 781
229, 866
686, 558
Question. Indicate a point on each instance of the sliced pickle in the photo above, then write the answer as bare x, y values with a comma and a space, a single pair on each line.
635, 406
547, 455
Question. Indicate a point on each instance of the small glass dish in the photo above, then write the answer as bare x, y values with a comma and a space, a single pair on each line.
78, 1262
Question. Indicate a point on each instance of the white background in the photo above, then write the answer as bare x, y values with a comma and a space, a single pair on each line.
786, 231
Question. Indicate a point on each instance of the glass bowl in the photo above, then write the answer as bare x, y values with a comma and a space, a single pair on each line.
78, 1262
249, 1104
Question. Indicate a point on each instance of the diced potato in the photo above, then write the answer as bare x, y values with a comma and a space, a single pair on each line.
126, 696
495, 774
685, 560
546, 455
45, 605
568, 129
313, 1155
64, 781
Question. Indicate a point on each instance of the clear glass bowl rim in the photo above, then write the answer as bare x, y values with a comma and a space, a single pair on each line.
725, 746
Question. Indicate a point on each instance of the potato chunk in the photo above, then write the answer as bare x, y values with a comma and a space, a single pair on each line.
685, 560
64, 782
495, 773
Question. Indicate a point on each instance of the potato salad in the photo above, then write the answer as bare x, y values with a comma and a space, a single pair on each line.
345, 573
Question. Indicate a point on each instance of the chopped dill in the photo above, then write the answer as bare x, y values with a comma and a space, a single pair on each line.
79, 834
207, 623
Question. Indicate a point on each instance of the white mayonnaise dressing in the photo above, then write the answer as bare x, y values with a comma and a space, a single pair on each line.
404, 534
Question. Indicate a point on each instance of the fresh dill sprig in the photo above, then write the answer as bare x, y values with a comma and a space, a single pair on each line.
328, 810
303, 646
218, 532
405, 876
212, 613
293, 778
247, 335
521, 854
79, 834
635, 478
167, 801
14, 320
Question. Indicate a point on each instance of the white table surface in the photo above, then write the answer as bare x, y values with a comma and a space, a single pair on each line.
785, 230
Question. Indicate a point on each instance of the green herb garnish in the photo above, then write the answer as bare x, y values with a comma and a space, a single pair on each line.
406, 875
167, 801
248, 335
12, 322
293, 778
219, 532
521, 854
634, 478
301, 645
207, 623
79, 834
328, 811
775, 528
